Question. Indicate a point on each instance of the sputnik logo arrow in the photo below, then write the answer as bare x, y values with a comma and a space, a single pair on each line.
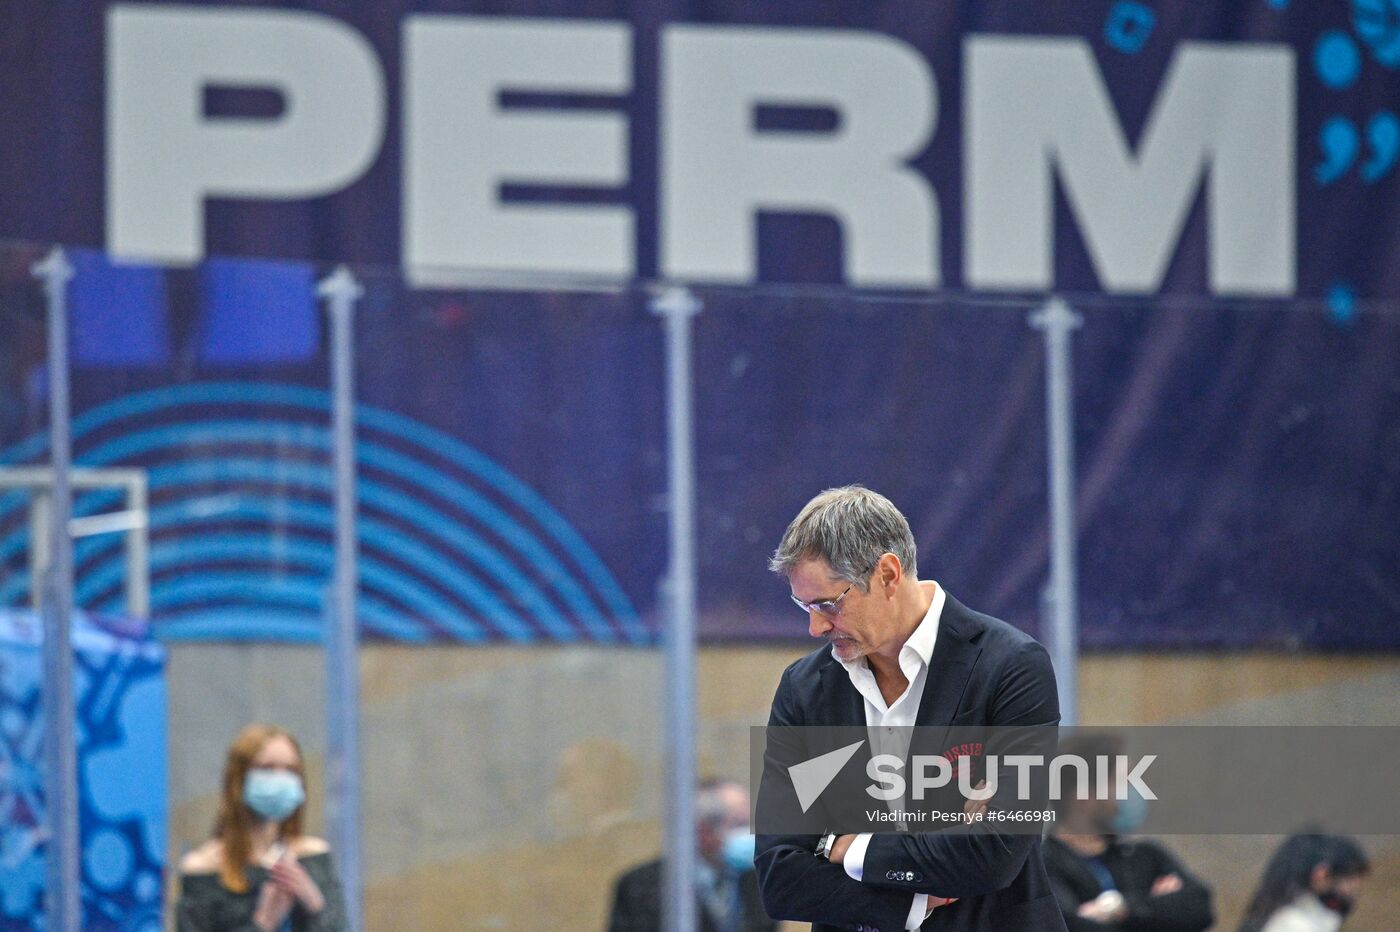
812, 776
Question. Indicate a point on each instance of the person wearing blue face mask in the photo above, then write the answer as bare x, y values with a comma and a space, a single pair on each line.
727, 886
260, 873
1105, 881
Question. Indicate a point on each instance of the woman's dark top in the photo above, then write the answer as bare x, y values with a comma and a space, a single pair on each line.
206, 905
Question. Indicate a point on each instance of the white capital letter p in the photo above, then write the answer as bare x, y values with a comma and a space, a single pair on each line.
165, 156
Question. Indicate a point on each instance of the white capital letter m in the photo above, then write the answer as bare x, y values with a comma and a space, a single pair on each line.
1225, 114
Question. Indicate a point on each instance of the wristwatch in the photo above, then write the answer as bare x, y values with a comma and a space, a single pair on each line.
824, 845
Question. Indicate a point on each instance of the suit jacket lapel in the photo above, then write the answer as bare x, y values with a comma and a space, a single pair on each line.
847, 706
843, 705
955, 652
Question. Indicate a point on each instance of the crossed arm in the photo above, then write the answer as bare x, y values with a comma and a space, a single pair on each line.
797, 885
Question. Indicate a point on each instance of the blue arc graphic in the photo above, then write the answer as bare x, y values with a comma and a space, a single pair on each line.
291, 552
300, 592
373, 494
456, 578
558, 601
317, 401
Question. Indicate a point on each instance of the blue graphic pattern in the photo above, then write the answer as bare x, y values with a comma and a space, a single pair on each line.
118, 312
1129, 26
1336, 60
1377, 22
1337, 63
120, 696
1340, 142
1341, 303
258, 312
1383, 134
466, 553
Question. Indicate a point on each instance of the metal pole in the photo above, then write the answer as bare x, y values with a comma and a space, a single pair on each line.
676, 307
341, 291
138, 549
63, 906
40, 547
1056, 320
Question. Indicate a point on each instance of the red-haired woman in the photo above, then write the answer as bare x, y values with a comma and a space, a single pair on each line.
259, 872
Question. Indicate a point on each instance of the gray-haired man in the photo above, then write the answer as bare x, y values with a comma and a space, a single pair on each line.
899, 652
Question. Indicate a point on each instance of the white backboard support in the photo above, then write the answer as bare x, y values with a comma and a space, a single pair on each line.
132, 522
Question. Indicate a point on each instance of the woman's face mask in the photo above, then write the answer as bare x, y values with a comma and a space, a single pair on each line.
273, 794
1338, 902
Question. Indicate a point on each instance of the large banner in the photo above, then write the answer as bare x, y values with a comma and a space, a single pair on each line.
1241, 148
1214, 186
1237, 471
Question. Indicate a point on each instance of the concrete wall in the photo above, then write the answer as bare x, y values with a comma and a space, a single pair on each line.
506, 787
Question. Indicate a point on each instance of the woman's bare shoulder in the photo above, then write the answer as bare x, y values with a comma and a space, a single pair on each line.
204, 859
309, 845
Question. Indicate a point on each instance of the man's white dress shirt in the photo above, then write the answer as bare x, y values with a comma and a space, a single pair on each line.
884, 721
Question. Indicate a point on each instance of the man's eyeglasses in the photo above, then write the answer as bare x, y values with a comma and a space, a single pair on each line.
828, 607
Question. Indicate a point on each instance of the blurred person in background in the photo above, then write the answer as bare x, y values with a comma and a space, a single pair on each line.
1103, 881
1310, 885
259, 872
727, 885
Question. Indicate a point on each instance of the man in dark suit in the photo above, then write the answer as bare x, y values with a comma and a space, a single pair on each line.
728, 889
899, 652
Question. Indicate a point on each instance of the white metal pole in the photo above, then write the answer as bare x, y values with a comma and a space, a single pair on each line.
341, 291
138, 550
1056, 320
676, 307
63, 904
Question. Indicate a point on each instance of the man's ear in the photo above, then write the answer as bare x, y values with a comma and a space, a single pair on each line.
889, 572
1320, 877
